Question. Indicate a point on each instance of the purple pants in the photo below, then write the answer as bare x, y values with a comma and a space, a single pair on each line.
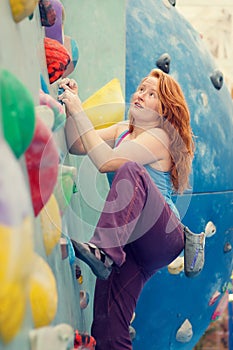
141, 234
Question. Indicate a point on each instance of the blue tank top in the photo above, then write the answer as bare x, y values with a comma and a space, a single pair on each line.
162, 179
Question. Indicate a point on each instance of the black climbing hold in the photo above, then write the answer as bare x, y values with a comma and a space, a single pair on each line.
31, 16
163, 62
172, 2
217, 79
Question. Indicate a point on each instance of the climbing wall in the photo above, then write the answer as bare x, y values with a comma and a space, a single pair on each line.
46, 197
174, 311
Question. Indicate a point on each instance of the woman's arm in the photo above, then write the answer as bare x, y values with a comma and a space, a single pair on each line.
74, 141
148, 147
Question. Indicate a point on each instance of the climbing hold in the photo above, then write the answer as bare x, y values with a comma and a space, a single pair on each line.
217, 79
14, 198
17, 242
222, 305
18, 112
56, 31
84, 341
59, 113
106, 106
43, 84
210, 229
227, 247
163, 62
72, 47
42, 165
59, 337
57, 58
169, 3
12, 309
214, 298
59, 92
84, 299
132, 333
172, 2
185, 332
46, 115
176, 266
51, 224
43, 293
133, 318
64, 248
16, 248
64, 186
47, 13
78, 274
22, 8
194, 252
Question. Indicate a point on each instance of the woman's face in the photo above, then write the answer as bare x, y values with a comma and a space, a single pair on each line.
145, 101
146, 95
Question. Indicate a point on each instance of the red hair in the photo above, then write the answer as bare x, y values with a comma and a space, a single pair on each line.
175, 120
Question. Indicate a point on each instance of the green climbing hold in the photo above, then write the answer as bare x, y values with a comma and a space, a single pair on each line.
65, 186
18, 113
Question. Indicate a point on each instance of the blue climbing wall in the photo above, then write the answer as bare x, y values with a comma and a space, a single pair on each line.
154, 28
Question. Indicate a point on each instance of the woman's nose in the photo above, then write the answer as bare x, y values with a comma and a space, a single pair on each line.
141, 95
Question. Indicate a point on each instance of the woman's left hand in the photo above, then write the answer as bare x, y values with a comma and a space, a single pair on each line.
70, 84
72, 102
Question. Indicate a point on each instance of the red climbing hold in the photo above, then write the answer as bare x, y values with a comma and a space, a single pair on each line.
84, 341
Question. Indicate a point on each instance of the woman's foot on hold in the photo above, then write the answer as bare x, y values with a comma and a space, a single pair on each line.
95, 258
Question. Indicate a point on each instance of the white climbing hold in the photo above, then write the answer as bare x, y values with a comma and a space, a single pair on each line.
210, 229
60, 337
133, 318
176, 266
185, 332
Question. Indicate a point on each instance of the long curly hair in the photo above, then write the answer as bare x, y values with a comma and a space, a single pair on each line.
175, 120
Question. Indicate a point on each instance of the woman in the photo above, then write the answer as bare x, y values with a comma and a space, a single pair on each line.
139, 230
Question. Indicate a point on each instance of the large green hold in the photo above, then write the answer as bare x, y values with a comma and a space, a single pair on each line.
18, 113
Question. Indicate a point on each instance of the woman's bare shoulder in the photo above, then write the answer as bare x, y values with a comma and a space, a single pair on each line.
159, 134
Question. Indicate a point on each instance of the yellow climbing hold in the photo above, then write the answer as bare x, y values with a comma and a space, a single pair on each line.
43, 293
16, 254
51, 224
106, 106
12, 309
176, 266
16, 251
22, 8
